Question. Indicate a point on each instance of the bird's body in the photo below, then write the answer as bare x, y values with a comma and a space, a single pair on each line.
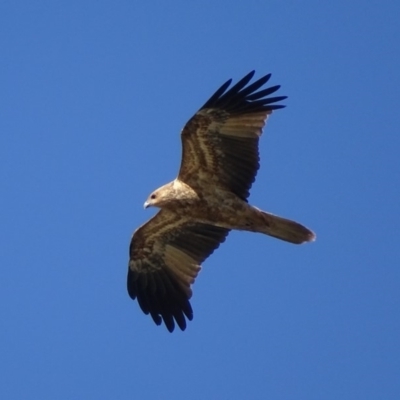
226, 211
208, 199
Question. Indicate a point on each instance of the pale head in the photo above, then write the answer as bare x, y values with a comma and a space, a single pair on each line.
171, 194
161, 196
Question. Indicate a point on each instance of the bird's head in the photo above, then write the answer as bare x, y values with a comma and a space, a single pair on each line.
160, 197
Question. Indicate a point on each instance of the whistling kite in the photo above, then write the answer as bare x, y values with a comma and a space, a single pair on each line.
208, 198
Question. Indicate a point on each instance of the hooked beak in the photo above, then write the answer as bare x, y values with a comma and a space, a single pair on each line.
146, 205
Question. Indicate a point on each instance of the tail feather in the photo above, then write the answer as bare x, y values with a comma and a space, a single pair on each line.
285, 229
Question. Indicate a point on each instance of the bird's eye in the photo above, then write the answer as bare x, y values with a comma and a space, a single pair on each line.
153, 196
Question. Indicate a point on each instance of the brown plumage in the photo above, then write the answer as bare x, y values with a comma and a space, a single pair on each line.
208, 198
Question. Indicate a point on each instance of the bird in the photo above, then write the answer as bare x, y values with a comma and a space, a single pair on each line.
208, 199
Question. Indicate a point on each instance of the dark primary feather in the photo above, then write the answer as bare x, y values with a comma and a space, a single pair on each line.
217, 94
154, 279
239, 98
159, 295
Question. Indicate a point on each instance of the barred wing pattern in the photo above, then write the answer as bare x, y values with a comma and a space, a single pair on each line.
165, 257
220, 143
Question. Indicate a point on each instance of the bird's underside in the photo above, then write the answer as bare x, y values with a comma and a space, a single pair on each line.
208, 199
226, 210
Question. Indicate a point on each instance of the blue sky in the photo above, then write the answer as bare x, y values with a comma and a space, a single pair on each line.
93, 97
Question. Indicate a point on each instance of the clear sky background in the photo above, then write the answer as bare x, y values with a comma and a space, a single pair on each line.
93, 95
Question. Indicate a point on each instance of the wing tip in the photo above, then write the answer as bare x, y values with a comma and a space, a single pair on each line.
245, 97
167, 303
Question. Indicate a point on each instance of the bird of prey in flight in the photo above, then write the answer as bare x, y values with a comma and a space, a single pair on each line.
205, 201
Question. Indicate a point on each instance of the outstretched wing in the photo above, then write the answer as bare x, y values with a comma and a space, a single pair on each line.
220, 143
165, 257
